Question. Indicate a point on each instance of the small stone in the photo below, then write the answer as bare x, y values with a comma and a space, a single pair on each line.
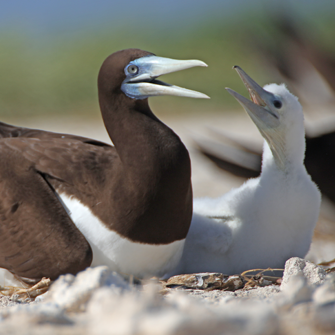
296, 266
197, 281
206, 281
233, 283
72, 293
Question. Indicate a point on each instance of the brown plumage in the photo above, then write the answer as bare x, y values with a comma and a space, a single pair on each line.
140, 188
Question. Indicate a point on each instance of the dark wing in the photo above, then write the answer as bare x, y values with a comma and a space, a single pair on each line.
35, 241
70, 166
7, 130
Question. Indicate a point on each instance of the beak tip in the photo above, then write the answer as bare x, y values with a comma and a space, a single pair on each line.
196, 62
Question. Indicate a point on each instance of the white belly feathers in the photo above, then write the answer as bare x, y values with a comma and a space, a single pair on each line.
119, 253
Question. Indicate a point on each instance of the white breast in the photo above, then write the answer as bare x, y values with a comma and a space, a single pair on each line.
119, 253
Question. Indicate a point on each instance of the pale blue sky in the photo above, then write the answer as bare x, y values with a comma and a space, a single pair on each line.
53, 16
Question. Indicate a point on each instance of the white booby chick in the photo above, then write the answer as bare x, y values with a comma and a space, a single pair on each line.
270, 218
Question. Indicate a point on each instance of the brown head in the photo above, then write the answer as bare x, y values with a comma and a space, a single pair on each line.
133, 73
112, 74
126, 80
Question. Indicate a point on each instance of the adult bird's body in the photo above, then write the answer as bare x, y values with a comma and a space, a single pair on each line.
270, 218
62, 196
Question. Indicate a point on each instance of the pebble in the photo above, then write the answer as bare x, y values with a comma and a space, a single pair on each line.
72, 293
296, 266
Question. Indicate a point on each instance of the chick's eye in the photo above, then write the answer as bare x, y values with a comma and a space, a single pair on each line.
132, 69
277, 104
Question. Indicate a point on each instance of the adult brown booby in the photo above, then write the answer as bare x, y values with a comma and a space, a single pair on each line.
65, 199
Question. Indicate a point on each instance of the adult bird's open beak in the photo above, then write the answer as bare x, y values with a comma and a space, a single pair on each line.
144, 83
257, 109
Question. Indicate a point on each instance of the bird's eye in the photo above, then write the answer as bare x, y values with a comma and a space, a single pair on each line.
132, 69
277, 104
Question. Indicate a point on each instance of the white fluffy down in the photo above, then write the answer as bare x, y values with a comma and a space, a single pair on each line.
265, 221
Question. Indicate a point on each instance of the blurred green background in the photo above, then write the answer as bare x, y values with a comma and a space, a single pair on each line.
51, 51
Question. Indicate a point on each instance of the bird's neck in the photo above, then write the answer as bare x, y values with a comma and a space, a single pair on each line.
154, 171
284, 156
141, 140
